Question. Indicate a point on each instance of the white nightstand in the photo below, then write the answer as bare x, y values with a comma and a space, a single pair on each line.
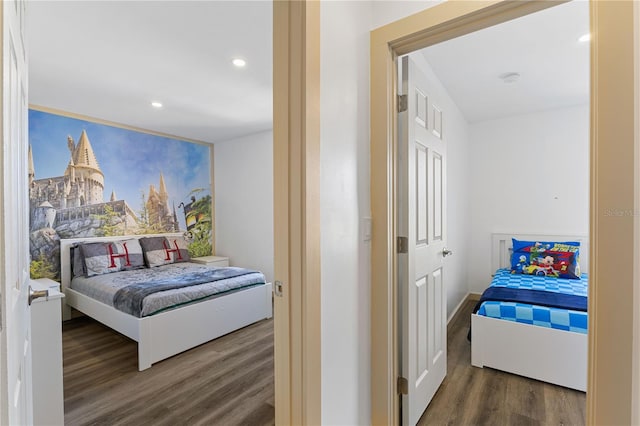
46, 354
212, 260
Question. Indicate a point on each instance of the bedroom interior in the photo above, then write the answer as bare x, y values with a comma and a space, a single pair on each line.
238, 128
481, 187
530, 138
613, 29
523, 129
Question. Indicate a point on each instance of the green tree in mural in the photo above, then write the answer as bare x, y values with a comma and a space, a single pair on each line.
110, 220
201, 232
42, 268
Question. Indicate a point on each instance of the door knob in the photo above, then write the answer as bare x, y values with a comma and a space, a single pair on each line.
35, 294
446, 252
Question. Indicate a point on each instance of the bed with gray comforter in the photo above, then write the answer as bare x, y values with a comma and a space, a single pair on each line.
148, 291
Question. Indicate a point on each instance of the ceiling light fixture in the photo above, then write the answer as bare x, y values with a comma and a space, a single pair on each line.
509, 77
238, 62
156, 104
585, 37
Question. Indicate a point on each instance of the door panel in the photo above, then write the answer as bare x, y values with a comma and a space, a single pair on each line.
437, 197
422, 212
422, 108
422, 344
421, 219
438, 315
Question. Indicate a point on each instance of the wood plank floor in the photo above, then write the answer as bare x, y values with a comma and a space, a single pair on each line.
482, 396
228, 381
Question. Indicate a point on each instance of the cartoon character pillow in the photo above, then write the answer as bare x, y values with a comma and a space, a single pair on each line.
546, 258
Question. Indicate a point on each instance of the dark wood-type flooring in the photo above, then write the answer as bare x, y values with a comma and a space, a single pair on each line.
228, 381
482, 396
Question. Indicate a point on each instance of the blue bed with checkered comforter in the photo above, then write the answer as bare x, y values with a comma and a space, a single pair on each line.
562, 319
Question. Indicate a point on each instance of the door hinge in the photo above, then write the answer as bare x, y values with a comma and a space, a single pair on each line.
403, 103
403, 244
403, 386
277, 288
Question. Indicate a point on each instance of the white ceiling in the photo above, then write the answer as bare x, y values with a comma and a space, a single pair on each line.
110, 59
542, 47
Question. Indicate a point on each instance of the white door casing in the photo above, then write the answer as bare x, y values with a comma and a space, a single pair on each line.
421, 216
15, 356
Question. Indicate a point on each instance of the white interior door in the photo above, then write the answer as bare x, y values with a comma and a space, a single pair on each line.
15, 357
422, 220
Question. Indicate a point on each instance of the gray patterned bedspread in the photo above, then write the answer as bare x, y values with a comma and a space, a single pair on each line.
104, 288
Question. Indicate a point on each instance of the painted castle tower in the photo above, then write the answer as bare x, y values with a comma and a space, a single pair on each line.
81, 184
84, 179
158, 208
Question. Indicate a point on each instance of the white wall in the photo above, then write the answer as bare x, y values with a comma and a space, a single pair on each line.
455, 131
344, 198
243, 191
530, 174
385, 12
346, 362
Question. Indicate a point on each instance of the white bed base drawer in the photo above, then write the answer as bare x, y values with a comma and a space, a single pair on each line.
547, 354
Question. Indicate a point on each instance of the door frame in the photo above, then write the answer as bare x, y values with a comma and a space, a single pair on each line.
296, 189
611, 139
635, 393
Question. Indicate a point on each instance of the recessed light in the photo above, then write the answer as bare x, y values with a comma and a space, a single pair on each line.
509, 77
238, 62
156, 104
585, 37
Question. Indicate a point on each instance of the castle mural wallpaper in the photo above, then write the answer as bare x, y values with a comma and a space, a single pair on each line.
88, 180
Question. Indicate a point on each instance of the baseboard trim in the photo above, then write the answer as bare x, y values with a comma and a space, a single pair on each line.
467, 297
474, 296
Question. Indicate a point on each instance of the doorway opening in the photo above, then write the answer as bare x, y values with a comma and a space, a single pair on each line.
434, 25
123, 61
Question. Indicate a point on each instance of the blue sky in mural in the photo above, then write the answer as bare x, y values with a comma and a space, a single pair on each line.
130, 161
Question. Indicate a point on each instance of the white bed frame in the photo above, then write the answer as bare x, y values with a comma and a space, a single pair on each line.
169, 333
547, 354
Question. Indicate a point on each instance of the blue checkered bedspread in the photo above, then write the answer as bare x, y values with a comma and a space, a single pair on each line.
561, 319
